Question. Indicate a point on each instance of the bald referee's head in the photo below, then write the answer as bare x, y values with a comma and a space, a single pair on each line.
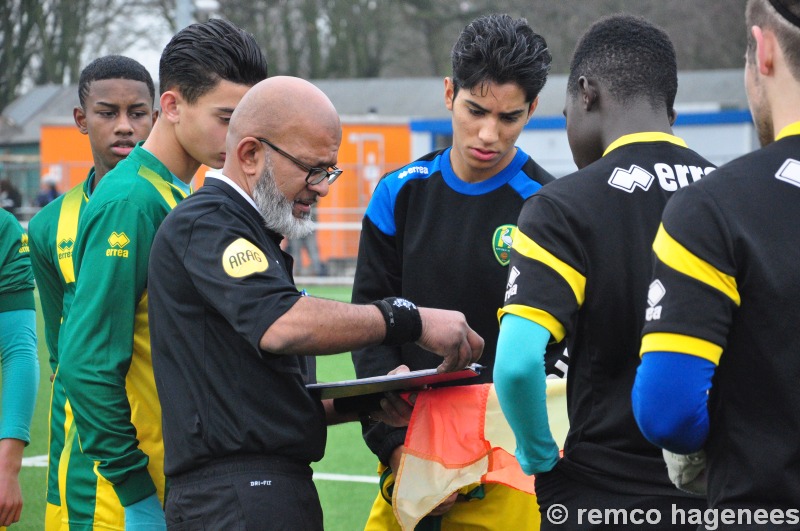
283, 106
282, 148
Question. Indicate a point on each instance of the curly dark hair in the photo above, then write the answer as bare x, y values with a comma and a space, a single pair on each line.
633, 58
500, 49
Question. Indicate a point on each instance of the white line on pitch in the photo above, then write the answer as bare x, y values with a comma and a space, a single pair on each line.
344, 477
41, 461
36, 460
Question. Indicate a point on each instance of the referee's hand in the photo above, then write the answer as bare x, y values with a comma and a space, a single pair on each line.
446, 333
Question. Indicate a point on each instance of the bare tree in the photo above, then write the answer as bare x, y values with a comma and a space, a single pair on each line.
437, 24
695, 27
18, 20
61, 35
319, 38
48, 41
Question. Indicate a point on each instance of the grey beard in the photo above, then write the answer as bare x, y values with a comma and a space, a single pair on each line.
276, 209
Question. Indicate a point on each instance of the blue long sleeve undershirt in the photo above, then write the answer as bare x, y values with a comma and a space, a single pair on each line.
20, 366
670, 400
520, 382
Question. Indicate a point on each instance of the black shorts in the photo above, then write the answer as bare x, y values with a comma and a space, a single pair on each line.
244, 493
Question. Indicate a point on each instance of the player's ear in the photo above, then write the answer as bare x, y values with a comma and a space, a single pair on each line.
587, 91
169, 103
534, 104
672, 115
449, 93
250, 155
765, 49
155, 116
80, 120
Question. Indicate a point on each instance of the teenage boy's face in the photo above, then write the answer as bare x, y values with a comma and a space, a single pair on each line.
117, 114
203, 125
487, 120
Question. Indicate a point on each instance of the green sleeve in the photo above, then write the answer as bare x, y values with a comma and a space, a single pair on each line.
96, 346
16, 276
48, 280
20, 373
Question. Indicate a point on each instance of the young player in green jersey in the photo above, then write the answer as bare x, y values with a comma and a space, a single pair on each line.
116, 112
20, 364
104, 347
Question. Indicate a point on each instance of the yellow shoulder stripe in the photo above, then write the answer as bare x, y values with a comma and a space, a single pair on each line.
530, 249
165, 188
676, 256
665, 342
536, 315
67, 230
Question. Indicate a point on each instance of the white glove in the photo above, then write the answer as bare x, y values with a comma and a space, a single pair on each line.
687, 472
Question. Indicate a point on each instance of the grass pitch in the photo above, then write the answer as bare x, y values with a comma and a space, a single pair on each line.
345, 503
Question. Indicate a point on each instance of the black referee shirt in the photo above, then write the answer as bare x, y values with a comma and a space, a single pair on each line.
217, 280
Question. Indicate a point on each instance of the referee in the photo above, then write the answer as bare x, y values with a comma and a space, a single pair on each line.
230, 331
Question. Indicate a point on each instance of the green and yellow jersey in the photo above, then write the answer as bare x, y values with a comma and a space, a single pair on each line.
52, 234
20, 366
16, 279
104, 345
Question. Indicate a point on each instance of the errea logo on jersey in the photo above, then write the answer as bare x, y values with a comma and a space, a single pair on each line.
422, 170
789, 172
511, 285
65, 248
670, 177
242, 258
655, 293
117, 241
23, 244
628, 180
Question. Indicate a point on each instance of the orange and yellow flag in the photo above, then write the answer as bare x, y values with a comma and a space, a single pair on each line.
458, 436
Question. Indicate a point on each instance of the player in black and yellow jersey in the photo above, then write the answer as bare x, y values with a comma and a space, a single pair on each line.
116, 97
104, 346
720, 348
580, 266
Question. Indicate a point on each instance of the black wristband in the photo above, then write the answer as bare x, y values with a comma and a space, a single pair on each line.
403, 322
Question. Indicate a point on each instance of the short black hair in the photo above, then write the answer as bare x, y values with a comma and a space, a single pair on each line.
499, 49
113, 67
199, 56
631, 57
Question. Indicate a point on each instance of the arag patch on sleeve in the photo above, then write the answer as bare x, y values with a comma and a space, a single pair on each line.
242, 258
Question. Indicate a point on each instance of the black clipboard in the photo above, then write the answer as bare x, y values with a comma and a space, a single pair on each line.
364, 394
